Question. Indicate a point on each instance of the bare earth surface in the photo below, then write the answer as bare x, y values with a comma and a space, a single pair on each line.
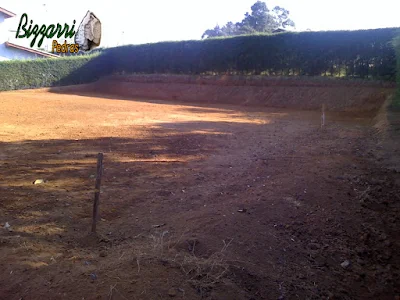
214, 202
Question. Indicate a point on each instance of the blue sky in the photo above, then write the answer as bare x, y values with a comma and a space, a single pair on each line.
135, 22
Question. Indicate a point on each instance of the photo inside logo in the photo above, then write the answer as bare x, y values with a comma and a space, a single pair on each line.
88, 35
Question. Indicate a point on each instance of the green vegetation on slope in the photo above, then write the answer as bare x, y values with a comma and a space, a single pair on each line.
396, 102
367, 54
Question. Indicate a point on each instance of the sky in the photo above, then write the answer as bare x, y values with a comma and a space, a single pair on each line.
140, 21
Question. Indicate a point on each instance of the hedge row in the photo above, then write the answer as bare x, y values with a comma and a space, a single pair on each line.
367, 54
361, 54
396, 43
397, 47
21, 74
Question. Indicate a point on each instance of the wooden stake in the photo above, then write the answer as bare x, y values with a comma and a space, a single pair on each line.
323, 116
97, 190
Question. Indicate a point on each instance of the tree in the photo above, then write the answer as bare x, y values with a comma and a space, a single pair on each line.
261, 19
281, 17
230, 28
209, 33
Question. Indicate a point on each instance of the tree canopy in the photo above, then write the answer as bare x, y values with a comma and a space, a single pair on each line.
261, 19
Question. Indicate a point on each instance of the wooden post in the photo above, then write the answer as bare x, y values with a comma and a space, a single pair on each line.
323, 116
97, 190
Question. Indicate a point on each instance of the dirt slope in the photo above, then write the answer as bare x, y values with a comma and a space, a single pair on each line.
309, 94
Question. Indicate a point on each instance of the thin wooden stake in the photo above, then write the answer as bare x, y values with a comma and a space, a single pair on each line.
323, 116
97, 190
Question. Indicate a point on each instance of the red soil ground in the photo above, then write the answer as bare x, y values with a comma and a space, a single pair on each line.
198, 201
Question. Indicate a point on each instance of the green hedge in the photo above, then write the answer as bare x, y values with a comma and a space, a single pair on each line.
23, 74
360, 54
397, 47
396, 43
367, 54
20, 74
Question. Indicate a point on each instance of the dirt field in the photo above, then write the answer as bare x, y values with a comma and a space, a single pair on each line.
197, 201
